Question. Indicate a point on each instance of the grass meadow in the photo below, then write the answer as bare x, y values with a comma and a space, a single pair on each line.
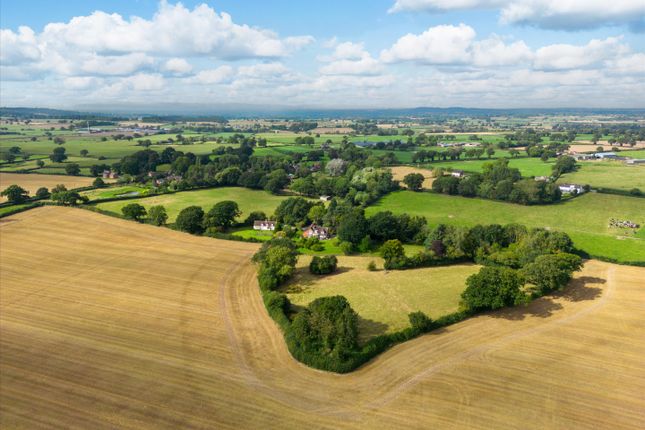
584, 218
383, 299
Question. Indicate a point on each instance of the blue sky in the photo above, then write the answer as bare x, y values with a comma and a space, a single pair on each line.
379, 53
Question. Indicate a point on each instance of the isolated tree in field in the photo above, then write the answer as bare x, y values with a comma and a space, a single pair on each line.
157, 215
9, 157
73, 169
42, 193
493, 288
414, 181
58, 155
392, 252
15, 150
190, 220
222, 215
40, 163
59, 140
323, 265
84, 152
490, 151
15, 194
98, 183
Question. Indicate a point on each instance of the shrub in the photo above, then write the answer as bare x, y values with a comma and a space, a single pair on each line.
371, 266
635, 192
98, 183
323, 265
420, 322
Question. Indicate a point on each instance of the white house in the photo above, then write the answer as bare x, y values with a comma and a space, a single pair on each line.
325, 198
569, 188
457, 173
264, 225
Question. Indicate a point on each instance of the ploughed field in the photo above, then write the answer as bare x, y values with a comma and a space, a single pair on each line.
112, 324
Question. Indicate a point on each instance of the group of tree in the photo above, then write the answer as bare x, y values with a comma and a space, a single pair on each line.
156, 215
498, 181
221, 216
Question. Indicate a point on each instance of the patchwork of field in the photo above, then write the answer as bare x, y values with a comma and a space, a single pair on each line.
31, 182
383, 299
248, 200
132, 326
584, 218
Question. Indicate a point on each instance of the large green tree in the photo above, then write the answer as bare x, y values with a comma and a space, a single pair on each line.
222, 214
190, 220
493, 288
15, 194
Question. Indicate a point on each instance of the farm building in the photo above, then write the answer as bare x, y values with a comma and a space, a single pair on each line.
606, 155
570, 188
541, 178
264, 225
316, 231
325, 198
457, 173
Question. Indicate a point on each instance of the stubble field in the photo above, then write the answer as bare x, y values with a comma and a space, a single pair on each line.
32, 182
112, 324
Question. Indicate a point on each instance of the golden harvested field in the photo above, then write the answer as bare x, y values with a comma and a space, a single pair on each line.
399, 172
31, 182
110, 324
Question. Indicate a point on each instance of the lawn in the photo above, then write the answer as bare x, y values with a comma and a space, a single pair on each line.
584, 218
607, 174
383, 299
248, 201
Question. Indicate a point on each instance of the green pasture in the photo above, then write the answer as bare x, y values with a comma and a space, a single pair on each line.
584, 218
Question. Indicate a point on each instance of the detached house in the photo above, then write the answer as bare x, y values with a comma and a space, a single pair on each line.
316, 231
264, 225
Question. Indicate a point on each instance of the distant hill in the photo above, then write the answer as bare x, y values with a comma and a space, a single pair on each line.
219, 112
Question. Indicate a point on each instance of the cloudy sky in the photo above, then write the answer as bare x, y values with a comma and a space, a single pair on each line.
368, 53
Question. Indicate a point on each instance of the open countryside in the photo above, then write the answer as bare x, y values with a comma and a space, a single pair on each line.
196, 336
407, 214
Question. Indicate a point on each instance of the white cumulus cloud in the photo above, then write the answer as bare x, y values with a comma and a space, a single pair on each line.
443, 44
